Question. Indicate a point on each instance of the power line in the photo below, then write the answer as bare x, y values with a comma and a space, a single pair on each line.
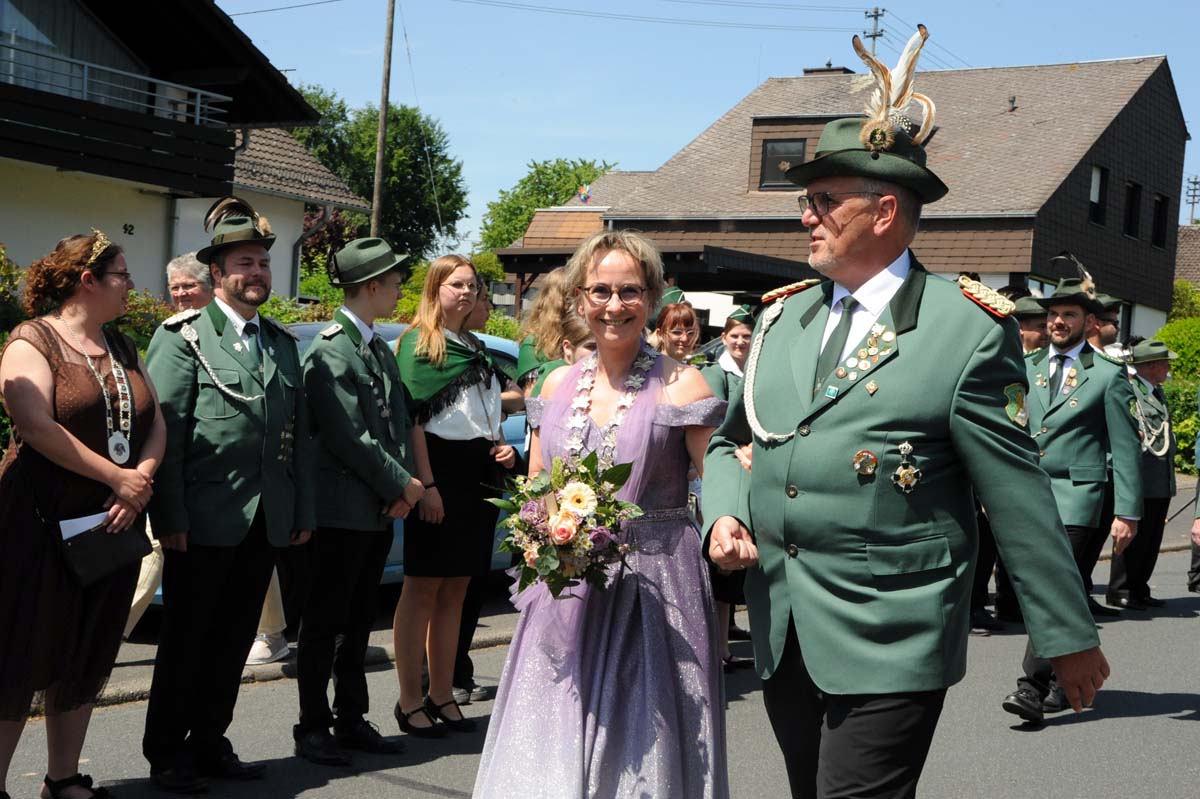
284, 8
412, 75
701, 23
931, 41
775, 6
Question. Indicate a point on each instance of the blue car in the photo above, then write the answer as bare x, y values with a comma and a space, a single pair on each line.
504, 353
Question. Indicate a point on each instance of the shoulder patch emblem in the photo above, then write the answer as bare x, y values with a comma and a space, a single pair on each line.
790, 289
282, 328
1133, 408
181, 317
1015, 407
331, 331
986, 297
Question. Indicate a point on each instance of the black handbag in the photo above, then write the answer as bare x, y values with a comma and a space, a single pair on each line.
95, 554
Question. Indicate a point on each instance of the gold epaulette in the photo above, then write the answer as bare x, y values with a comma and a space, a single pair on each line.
178, 319
986, 297
281, 327
789, 289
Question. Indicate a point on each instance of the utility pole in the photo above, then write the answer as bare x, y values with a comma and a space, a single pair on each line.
377, 197
874, 15
1193, 197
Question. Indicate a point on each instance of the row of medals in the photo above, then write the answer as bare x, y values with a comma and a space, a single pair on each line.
867, 356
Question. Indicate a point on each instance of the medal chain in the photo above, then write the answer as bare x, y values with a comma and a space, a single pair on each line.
125, 412
582, 403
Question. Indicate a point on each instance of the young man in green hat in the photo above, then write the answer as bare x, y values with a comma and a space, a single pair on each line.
236, 484
1129, 574
361, 423
880, 403
1031, 317
1080, 408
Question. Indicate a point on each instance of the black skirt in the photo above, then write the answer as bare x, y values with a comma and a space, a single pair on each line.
463, 544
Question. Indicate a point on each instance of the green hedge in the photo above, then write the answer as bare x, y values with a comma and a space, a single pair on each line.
1181, 398
1183, 336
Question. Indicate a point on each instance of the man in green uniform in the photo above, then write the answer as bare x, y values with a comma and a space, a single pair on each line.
1129, 575
1032, 319
879, 403
236, 484
1081, 412
360, 419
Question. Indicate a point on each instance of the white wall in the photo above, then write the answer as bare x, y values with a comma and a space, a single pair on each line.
40, 205
719, 306
1146, 321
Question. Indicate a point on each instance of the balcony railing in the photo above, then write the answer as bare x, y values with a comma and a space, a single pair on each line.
112, 87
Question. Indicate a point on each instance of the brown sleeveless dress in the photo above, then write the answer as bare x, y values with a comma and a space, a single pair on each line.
58, 641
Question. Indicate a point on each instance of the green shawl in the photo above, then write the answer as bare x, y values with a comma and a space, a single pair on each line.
528, 359
434, 388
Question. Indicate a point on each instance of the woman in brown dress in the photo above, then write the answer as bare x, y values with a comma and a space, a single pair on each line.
69, 456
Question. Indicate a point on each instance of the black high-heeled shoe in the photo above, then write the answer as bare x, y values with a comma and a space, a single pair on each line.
81, 780
434, 730
460, 724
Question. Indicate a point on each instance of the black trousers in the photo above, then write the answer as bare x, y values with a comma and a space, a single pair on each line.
989, 558
335, 626
212, 598
848, 746
1092, 548
1193, 575
1082, 543
1129, 573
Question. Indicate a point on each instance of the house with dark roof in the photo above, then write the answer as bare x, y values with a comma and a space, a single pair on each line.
133, 118
1038, 159
1187, 255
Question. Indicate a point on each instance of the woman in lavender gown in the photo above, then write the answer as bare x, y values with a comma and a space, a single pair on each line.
617, 692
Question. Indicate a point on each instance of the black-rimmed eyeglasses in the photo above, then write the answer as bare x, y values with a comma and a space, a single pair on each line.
600, 294
821, 201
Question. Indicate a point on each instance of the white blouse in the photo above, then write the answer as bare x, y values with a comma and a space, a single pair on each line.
476, 412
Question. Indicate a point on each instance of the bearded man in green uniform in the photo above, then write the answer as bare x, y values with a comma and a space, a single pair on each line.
361, 421
236, 484
880, 402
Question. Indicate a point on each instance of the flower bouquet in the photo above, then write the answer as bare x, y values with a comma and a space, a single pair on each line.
565, 524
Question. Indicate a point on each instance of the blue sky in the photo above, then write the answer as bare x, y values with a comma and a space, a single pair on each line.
511, 85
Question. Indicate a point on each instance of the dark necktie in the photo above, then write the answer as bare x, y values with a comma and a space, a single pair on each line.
255, 357
832, 353
1057, 380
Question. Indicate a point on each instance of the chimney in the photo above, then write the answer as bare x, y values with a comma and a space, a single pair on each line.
828, 69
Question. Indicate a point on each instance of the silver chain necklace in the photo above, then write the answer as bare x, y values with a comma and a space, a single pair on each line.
118, 440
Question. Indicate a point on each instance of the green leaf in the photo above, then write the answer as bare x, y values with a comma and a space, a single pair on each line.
528, 576
539, 485
618, 474
590, 462
630, 509
547, 560
558, 476
502, 504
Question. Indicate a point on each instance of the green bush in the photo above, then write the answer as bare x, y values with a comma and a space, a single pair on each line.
1181, 399
1183, 336
1185, 301
143, 314
502, 325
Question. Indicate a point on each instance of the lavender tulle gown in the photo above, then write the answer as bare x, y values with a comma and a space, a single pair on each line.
618, 692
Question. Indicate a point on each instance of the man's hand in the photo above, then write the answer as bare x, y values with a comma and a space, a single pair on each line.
730, 544
743, 454
1080, 675
176, 542
413, 492
398, 509
1123, 531
300, 537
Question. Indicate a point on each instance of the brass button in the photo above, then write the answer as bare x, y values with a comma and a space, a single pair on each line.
804, 430
792, 550
1042, 454
792, 491
1045, 429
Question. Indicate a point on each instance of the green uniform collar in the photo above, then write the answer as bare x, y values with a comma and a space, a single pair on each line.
348, 325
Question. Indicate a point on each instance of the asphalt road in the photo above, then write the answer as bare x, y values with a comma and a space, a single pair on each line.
1142, 739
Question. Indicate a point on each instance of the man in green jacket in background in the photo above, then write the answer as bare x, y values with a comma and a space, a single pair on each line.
879, 403
360, 419
235, 485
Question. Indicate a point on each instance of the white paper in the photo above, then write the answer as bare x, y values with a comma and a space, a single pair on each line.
73, 527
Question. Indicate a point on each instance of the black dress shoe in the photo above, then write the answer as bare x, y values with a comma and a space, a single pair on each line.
1099, 611
178, 780
1024, 702
459, 724
1126, 602
1152, 601
363, 736
733, 663
230, 767
1055, 701
432, 730
318, 746
984, 623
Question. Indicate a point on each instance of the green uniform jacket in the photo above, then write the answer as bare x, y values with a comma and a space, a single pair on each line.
1158, 471
723, 384
877, 582
360, 420
1078, 428
224, 456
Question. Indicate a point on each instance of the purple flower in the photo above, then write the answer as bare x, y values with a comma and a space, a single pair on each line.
533, 512
601, 537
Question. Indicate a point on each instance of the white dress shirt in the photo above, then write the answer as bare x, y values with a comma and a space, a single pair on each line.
239, 324
873, 297
366, 331
1072, 356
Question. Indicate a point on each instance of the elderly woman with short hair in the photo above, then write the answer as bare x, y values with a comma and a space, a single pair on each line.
188, 282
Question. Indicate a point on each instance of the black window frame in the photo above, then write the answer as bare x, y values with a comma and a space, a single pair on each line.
783, 184
1131, 218
1098, 208
1159, 221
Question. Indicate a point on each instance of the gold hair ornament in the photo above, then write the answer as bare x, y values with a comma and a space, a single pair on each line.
98, 247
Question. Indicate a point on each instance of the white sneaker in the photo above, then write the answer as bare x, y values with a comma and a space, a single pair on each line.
268, 649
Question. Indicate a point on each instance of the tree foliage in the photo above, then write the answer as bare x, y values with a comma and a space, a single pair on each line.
1183, 336
547, 184
1185, 301
417, 211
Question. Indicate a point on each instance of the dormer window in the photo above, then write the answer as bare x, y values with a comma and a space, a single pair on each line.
778, 156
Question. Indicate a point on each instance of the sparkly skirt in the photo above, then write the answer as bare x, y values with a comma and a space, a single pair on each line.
615, 692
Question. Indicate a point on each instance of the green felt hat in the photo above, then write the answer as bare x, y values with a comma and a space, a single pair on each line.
671, 295
361, 260
1107, 302
1028, 308
233, 221
743, 314
1071, 291
1151, 350
841, 153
